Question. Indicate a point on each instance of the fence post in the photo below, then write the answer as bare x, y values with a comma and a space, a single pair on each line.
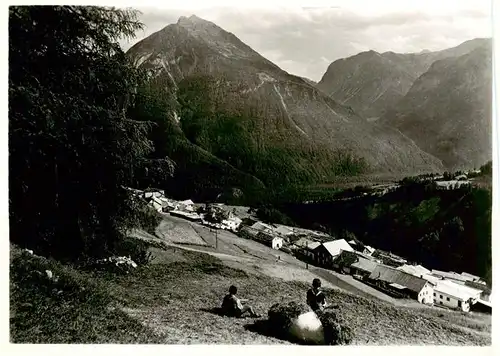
307, 249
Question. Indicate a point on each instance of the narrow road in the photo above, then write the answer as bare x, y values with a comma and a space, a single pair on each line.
354, 286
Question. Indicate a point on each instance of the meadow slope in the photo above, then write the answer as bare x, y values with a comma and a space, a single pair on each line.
171, 301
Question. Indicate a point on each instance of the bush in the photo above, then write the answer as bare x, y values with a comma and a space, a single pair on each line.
281, 316
136, 249
487, 169
149, 219
336, 330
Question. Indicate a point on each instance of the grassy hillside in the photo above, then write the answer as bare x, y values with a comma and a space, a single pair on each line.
153, 305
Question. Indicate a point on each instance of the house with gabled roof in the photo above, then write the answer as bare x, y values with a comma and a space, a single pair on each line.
305, 247
389, 258
473, 278
155, 203
363, 268
186, 205
456, 296
309, 249
484, 288
402, 283
416, 270
368, 250
303, 242
283, 230
325, 253
256, 228
355, 263
452, 294
270, 239
452, 276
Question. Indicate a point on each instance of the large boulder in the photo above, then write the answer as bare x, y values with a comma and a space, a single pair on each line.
297, 323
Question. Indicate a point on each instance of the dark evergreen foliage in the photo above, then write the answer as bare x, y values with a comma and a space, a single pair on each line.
199, 175
71, 146
238, 137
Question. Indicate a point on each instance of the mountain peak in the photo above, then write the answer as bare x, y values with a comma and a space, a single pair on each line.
370, 53
193, 20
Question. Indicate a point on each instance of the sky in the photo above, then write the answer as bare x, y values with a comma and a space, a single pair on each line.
305, 40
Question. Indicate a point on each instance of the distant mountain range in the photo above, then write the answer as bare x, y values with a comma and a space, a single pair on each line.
448, 109
441, 100
238, 107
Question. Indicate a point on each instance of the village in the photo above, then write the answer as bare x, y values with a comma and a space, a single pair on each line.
382, 270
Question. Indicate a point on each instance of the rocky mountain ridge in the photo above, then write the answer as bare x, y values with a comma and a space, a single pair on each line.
271, 108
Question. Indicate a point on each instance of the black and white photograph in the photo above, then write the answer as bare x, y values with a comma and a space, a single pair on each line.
265, 173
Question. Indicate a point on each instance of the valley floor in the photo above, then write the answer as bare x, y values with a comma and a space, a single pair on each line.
172, 300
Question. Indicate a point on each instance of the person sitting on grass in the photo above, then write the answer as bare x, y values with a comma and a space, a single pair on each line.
231, 305
315, 297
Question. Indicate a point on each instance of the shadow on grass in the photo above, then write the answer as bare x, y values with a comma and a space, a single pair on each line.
264, 328
216, 311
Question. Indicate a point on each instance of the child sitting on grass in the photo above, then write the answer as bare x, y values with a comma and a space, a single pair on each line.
231, 305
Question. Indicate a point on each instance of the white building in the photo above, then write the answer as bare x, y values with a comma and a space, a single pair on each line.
450, 297
452, 294
451, 184
424, 296
277, 243
270, 239
232, 223
154, 193
186, 205
368, 250
156, 203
